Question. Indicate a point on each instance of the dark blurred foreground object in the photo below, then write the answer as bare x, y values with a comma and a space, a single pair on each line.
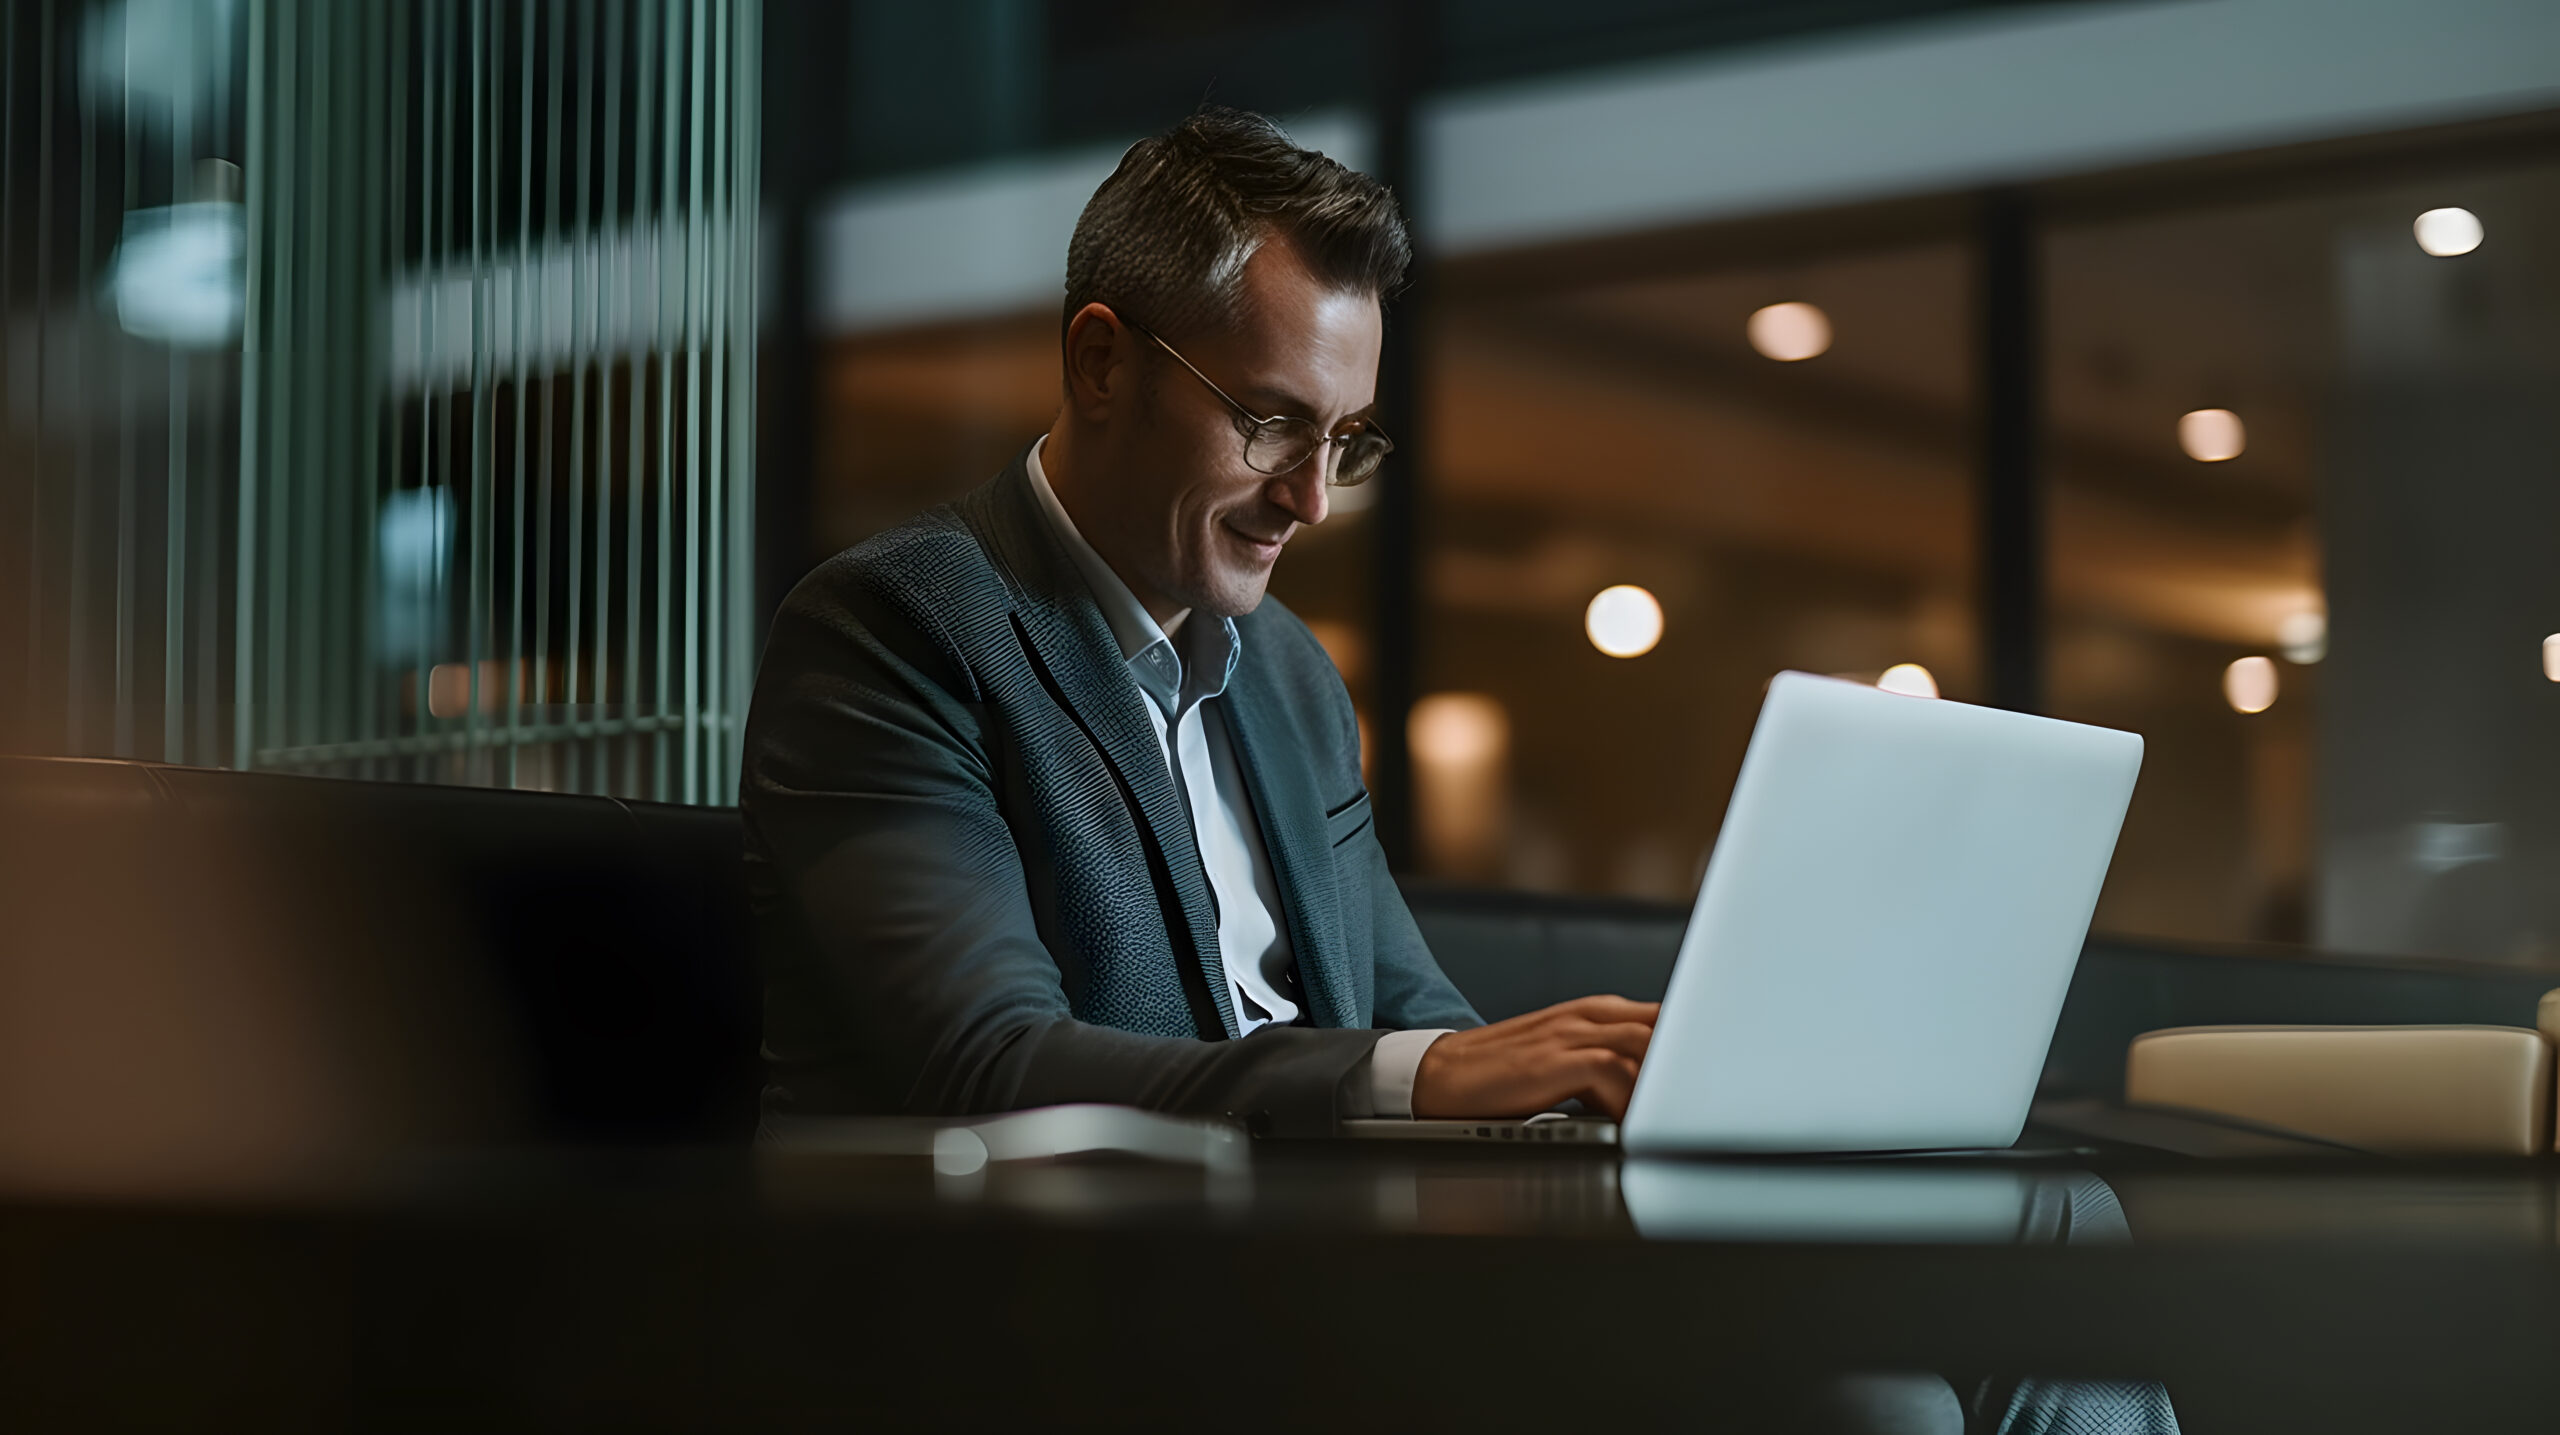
669, 1291
224, 982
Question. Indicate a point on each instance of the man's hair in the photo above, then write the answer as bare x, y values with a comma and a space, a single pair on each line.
1168, 234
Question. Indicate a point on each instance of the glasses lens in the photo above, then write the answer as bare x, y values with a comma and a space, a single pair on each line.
1280, 445
1361, 457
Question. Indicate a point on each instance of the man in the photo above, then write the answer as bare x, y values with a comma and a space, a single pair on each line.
1046, 802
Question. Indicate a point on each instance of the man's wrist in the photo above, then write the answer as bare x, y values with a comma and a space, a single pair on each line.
1393, 1063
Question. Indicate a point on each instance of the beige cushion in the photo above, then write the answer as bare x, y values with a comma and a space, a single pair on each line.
2406, 1090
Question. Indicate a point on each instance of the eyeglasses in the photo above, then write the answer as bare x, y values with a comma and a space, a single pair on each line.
1278, 445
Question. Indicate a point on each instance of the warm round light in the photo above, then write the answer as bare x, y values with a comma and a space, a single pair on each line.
1457, 730
1624, 621
2304, 637
1343, 643
2445, 233
2249, 684
1788, 332
2212, 435
2551, 657
1909, 679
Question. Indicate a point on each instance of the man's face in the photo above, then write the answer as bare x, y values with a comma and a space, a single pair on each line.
1191, 523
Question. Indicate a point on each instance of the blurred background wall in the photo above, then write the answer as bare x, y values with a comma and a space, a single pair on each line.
2185, 366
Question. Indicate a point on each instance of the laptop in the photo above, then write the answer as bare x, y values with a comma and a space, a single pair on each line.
1881, 945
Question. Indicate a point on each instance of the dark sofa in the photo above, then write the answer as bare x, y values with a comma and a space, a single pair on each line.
595, 951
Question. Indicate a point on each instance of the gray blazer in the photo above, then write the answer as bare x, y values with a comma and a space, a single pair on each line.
975, 883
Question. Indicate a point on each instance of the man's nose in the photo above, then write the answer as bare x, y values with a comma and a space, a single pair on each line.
1301, 492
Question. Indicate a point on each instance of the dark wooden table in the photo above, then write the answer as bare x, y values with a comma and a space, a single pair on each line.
1328, 1286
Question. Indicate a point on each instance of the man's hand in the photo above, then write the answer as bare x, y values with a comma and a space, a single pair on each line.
1589, 1048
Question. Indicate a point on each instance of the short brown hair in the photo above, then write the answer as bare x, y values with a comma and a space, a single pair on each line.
1168, 234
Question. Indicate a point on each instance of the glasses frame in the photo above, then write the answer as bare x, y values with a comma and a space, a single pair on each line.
1256, 425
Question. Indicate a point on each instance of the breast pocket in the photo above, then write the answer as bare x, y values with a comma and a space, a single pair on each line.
1349, 820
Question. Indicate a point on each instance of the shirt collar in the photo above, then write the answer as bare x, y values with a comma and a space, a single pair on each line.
1174, 674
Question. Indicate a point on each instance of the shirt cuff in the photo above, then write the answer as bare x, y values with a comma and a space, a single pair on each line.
1385, 1086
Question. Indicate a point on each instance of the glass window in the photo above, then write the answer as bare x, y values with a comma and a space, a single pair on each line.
910, 419
2302, 455
1779, 458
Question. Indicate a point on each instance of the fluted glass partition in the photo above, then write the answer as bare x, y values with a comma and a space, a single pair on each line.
381, 385
120, 240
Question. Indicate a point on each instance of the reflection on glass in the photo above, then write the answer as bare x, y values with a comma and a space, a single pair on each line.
177, 278
1624, 621
2358, 577
1671, 1200
1596, 425
2449, 233
2212, 435
1461, 746
2304, 637
2249, 684
1790, 332
1895, 1202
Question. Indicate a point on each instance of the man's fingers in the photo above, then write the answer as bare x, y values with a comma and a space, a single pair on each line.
1602, 1010
1590, 1048
1612, 1085
1626, 1038
1605, 1008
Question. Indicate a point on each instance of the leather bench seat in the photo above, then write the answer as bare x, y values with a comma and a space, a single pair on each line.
2397, 1090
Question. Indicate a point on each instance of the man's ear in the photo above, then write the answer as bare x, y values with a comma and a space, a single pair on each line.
1097, 353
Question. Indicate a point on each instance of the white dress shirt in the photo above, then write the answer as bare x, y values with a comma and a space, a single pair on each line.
1181, 674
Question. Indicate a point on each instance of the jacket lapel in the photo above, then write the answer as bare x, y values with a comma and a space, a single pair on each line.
1291, 814
1074, 646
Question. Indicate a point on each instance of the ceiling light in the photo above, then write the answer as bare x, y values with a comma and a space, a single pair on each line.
2445, 233
2212, 435
1457, 730
2304, 637
1788, 332
2249, 684
2551, 657
1909, 679
1624, 621
176, 277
